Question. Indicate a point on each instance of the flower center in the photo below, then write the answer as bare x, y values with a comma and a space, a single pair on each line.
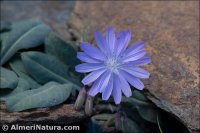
113, 64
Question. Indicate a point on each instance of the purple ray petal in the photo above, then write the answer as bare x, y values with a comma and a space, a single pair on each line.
105, 79
92, 51
138, 46
95, 88
88, 67
133, 80
93, 76
122, 41
101, 42
119, 42
127, 39
124, 86
135, 56
110, 38
136, 72
108, 90
140, 62
116, 92
84, 57
101, 82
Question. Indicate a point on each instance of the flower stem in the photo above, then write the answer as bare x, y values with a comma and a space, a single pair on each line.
118, 117
159, 124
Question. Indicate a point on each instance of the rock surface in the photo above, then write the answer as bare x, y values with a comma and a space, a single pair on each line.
53, 13
170, 30
61, 114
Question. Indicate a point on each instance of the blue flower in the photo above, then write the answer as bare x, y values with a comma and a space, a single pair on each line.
113, 65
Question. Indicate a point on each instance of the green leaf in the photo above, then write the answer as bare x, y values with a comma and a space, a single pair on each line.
111, 121
105, 107
5, 26
44, 68
24, 35
48, 95
148, 113
102, 117
93, 127
22, 86
15, 98
138, 102
8, 79
60, 49
134, 101
129, 126
139, 95
4, 93
33, 84
17, 65
63, 51
2, 35
133, 114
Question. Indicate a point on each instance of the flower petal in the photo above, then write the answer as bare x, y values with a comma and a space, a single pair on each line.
124, 86
138, 46
84, 57
105, 79
127, 39
93, 76
92, 51
137, 72
140, 62
116, 92
108, 90
101, 42
95, 88
135, 56
110, 38
122, 42
88, 67
101, 83
137, 83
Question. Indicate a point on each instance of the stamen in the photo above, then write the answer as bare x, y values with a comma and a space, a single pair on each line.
113, 64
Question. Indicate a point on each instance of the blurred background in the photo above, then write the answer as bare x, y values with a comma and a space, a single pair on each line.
54, 13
